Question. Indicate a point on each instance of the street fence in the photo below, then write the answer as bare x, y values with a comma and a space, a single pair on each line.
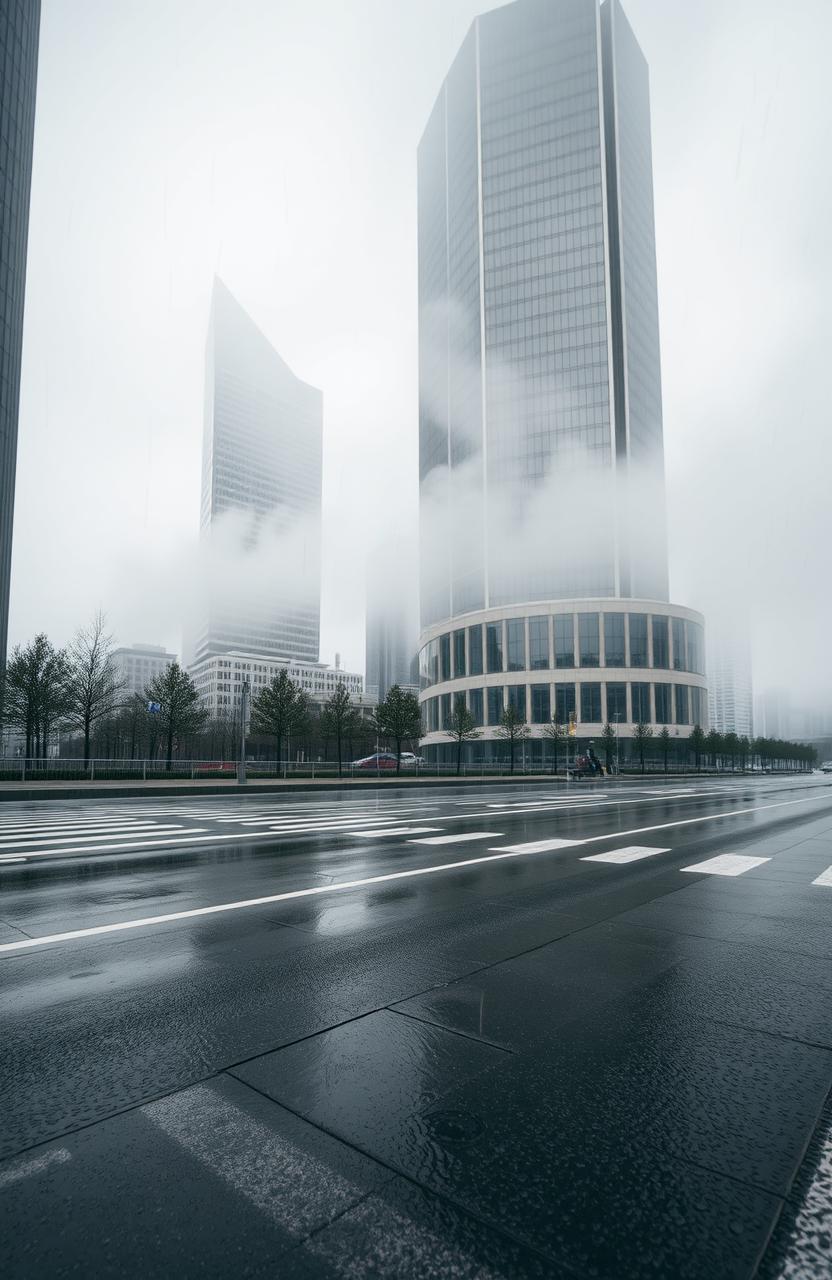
71, 769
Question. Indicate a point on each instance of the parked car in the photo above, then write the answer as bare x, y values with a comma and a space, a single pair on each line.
826, 767
380, 760
410, 760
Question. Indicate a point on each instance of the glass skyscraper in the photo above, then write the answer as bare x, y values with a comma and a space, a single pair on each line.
19, 30
261, 496
540, 416
539, 348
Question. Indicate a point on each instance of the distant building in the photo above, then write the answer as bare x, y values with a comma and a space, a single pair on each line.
138, 665
19, 30
730, 688
219, 680
261, 486
774, 714
391, 626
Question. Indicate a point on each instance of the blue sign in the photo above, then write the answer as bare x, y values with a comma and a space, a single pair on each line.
154, 707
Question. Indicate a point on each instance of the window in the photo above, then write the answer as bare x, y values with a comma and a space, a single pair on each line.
494, 646
446, 711
664, 714
640, 694
495, 705
433, 714
564, 702
696, 645
679, 656
696, 706
516, 644
591, 703
475, 705
564, 640
589, 639
682, 716
517, 699
538, 643
541, 704
475, 651
459, 653
661, 643
638, 639
616, 703
614, 655
445, 657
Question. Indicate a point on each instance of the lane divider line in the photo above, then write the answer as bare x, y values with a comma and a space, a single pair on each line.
458, 839
825, 878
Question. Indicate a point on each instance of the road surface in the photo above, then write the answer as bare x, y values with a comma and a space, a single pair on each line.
492, 1031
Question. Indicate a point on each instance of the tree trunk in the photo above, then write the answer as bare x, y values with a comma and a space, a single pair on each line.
511, 756
170, 747
458, 756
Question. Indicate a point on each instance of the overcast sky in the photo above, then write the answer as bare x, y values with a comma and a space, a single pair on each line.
274, 142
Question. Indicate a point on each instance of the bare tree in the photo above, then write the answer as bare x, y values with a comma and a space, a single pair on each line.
399, 717
94, 687
338, 719
555, 732
513, 729
461, 726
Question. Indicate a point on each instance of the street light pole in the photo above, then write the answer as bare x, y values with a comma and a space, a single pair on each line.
241, 764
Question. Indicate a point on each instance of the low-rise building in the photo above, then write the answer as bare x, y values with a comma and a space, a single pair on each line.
219, 680
139, 665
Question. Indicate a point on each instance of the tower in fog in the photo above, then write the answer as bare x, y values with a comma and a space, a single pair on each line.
261, 496
539, 340
19, 31
543, 540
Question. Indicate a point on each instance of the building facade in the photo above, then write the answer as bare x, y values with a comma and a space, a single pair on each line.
139, 665
540, 417
730, 687
392, 628
219, 680
261, 496
19, 33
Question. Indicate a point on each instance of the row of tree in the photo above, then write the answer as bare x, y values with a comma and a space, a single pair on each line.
78, 691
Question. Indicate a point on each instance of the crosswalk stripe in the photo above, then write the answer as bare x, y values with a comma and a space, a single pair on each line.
393, 831
631, 853
458, 839
538, 846
825, 878
88, 837
727, 864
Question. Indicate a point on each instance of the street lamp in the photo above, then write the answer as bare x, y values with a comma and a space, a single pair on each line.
616, 718
241, 765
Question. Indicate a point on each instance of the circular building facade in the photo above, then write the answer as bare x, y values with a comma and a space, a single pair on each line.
590, 663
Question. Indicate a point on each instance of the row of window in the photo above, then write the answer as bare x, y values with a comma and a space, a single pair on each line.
593, 703
564, 641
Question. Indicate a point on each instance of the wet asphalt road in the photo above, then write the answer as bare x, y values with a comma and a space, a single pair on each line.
492, 1031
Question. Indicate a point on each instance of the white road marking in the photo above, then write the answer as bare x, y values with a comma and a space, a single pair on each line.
45, 838
10, 857
630, 853
825, 878
458, 839
26, 1168
726, 864
540, 846
395, 831
294, 1189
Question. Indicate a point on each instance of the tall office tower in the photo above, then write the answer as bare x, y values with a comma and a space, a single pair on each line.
540, 426
731, 697
19, 30
261, 496
391, 619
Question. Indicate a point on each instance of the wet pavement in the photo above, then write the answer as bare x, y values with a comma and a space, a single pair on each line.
476, 1031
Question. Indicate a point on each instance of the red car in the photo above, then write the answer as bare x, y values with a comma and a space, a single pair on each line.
381, 760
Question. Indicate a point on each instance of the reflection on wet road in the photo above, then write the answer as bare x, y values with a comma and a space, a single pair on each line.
528, 1029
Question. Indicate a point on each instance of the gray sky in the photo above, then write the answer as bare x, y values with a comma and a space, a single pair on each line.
273, 141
